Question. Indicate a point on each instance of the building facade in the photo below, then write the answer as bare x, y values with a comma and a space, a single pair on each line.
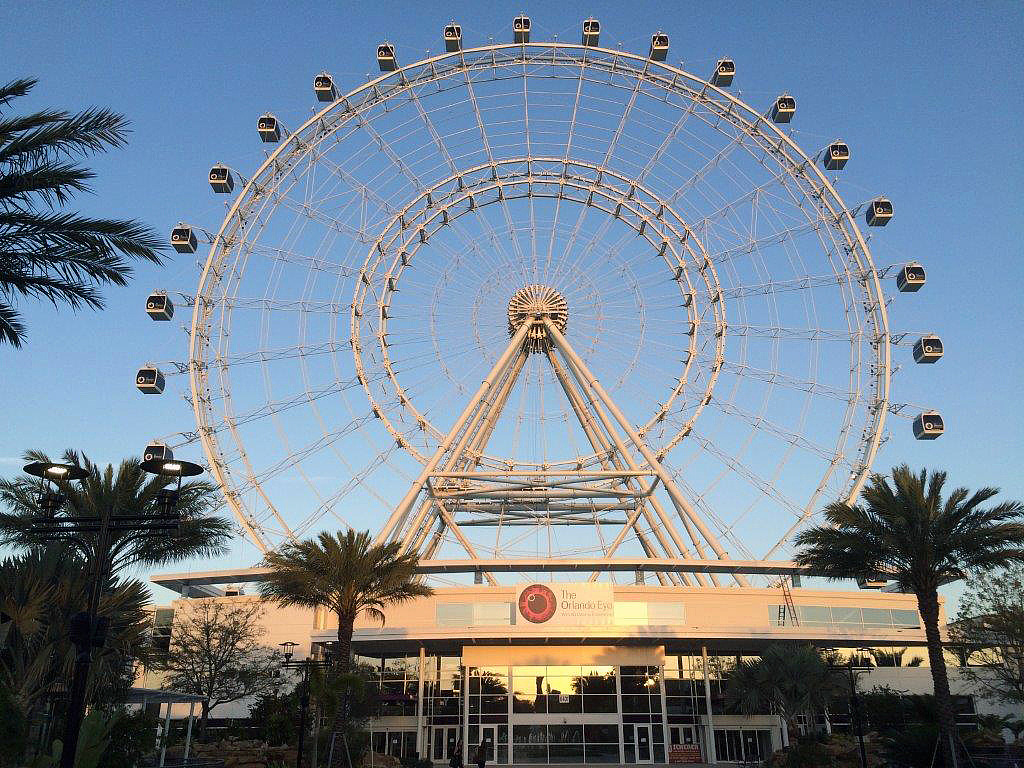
595, 673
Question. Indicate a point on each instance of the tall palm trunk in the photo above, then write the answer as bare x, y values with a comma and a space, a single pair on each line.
928, 604
343, 666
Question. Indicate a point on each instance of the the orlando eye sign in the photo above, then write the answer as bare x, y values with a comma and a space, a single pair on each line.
583, 604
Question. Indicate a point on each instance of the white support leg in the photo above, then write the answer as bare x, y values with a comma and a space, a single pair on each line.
589, 382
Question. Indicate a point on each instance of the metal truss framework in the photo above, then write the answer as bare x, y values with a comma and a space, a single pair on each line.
623, 478
453, 491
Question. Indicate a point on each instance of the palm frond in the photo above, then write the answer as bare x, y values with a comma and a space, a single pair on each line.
12, 330
15, 89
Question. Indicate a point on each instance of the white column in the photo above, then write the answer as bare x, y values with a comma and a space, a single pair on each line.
712, 755
167, 727
188, 729
419, 706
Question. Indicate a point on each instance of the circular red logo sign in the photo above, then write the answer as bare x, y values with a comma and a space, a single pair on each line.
537, 603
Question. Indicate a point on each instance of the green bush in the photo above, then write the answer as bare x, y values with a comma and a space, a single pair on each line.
13, 729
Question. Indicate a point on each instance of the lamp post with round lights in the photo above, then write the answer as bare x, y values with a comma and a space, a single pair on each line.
92, 531
304, 664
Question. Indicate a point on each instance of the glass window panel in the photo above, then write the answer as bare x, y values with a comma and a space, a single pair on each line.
814, 614
494, 704
602, 753
904, 619
492, 614
665, 613
596, 683
565, 734
601, 703
846, 614
633, 684
530, 753
601, 733
877, 617
565, 753
636, 703
530, 686
454, 614
529, 704
529, 734
562, 703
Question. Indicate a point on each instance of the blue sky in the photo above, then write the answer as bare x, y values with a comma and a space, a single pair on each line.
927, 95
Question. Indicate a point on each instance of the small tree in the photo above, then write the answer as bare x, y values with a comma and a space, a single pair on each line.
216, 653
990, 628
784, 681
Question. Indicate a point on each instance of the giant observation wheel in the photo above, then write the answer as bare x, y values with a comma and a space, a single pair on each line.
680, 329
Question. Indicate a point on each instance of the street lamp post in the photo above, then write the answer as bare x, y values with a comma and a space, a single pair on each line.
855, 700
87, 630
304, 664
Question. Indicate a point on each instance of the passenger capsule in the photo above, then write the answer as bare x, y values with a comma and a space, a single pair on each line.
149, 380
910, 278
591, 32
159, 306
725, 71
836, 156
928, 349
386, 57
221, 179
323, 87
183, 239
878, 213
659, 47
453, 38
157, 451
521, 29
269, 129
928, 426
783, 109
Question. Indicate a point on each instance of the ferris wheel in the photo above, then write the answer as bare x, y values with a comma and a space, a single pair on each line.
542, 300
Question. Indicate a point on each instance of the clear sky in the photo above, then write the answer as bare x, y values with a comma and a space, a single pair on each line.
930, 96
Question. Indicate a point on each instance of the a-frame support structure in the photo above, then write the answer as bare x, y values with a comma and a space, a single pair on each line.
460, 486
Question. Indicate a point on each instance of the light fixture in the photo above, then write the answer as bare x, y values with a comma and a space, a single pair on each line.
52, 470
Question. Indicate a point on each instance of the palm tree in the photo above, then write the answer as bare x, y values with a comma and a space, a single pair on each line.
104, 493
47, 252
40, 590
907, 532
784, 681
348, 574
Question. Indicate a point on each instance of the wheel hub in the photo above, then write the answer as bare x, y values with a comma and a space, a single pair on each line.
532, 302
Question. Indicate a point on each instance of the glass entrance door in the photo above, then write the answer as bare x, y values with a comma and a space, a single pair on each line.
643, 744
487, 736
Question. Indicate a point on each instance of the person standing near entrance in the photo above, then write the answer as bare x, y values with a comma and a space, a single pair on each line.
481, 755
455, 761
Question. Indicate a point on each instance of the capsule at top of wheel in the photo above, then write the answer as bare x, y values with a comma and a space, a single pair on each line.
159, 306
149, 380
386, 57
928, 349
878, 212
910, 278
659, 47
453, 38
928, 425
323, 87
591, 32
783, 109
725, 71
521, 29
183, 239
836, 156
221, 179
268, 128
